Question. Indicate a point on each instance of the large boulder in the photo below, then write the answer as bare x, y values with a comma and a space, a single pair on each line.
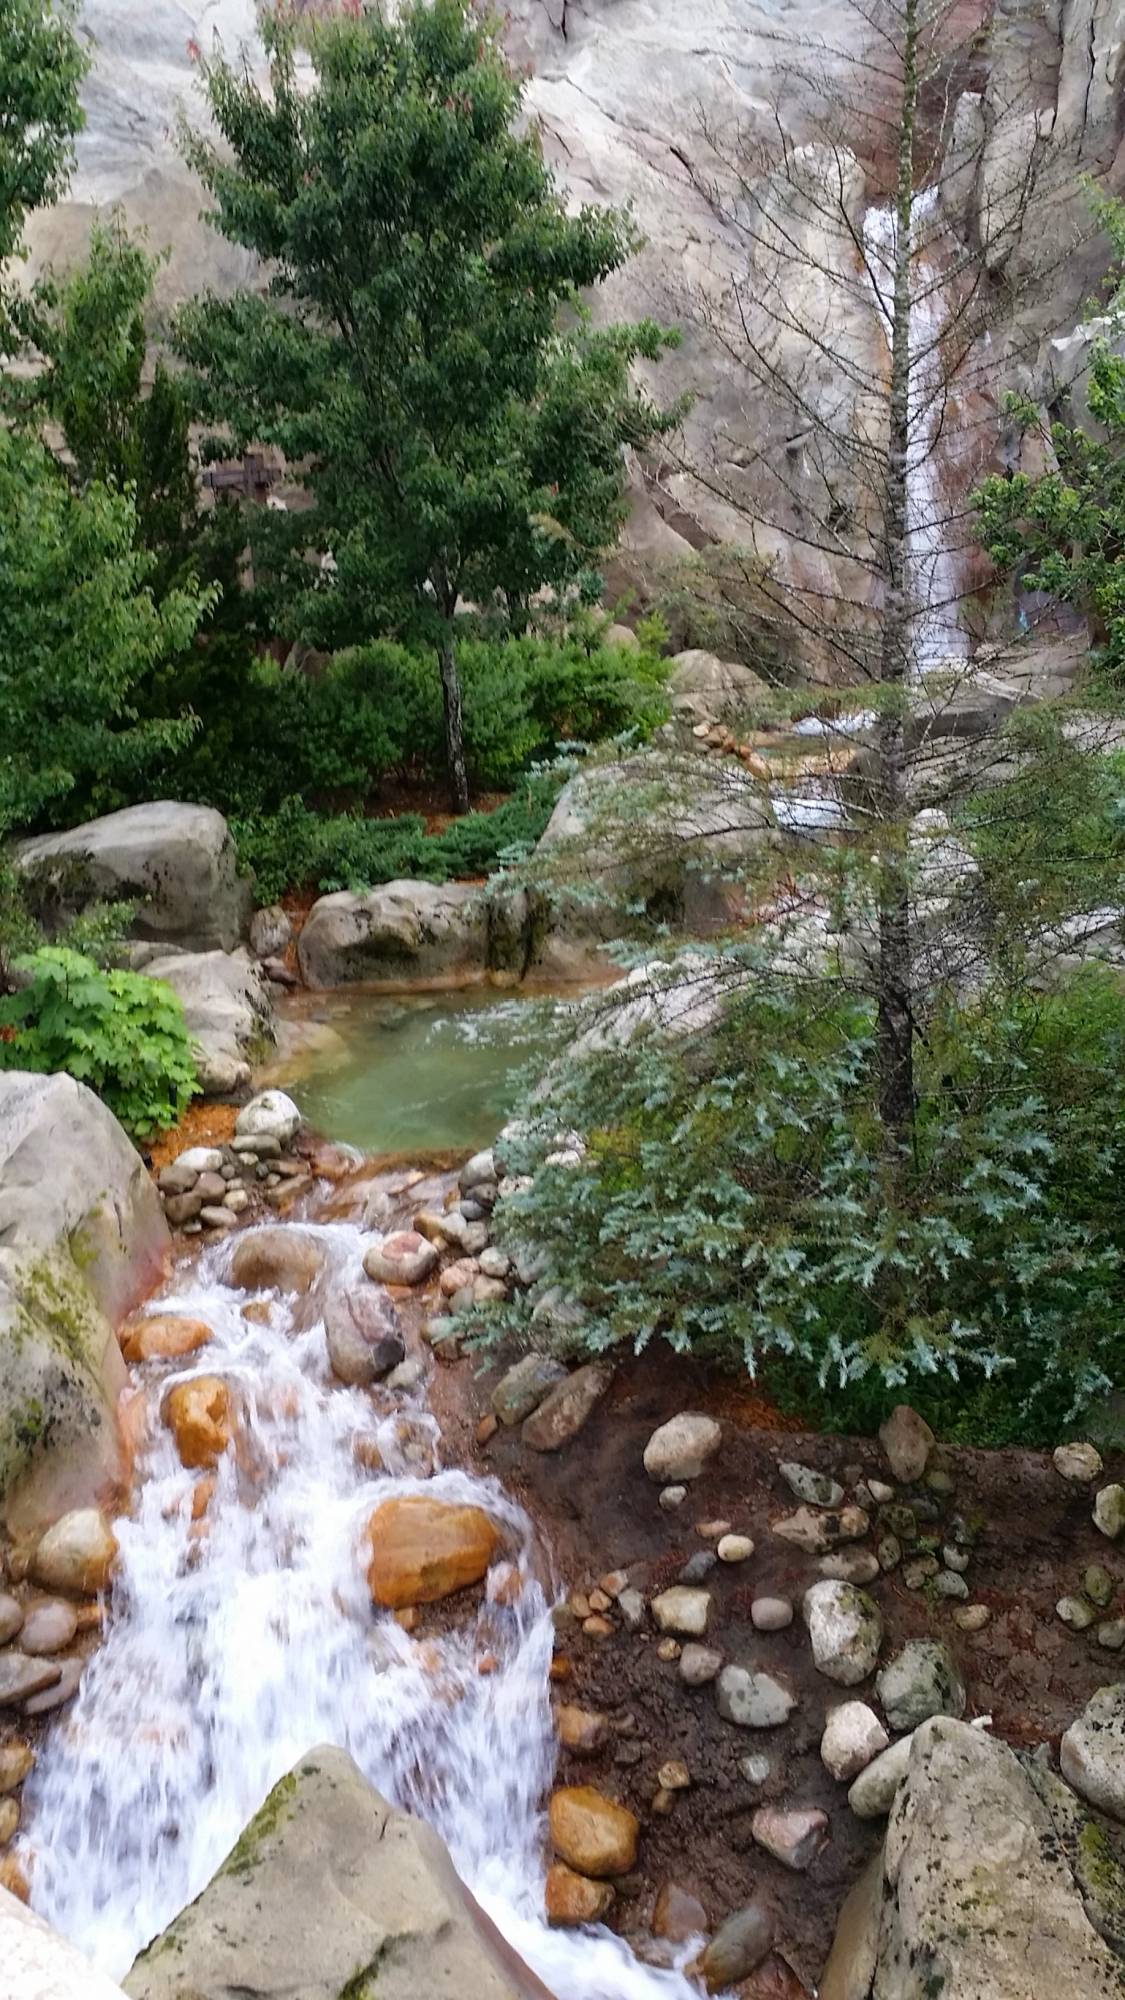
706, 689
82, 1241
666, 832
331, 1891
974, 1899
404, 934
227, 1010
422, 1550
176, 862
40, 1965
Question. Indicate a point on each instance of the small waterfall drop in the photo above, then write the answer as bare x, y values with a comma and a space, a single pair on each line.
237, 1643
938, 637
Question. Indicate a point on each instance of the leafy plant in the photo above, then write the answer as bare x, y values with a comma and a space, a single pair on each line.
459, 417
118, 1032
734, 1200
41, 68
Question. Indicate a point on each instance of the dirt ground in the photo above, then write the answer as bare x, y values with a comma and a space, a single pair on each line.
599, 1511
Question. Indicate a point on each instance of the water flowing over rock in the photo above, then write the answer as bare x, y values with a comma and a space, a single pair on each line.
285, 1260
200, 1415
163, 1337
82, 1239
330, 1891
423, 1550
969, 1840
363, 1336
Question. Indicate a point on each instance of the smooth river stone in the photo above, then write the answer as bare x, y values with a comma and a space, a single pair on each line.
11, 1617
48, 1627
21, 1676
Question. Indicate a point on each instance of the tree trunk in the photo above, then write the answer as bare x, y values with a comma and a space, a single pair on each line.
895, 1029
454, 730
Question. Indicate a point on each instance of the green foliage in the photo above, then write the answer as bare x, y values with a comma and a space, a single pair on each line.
458, 440
41, 68
1063, 532
296, 848
735, 1200
79, 629
118, 1032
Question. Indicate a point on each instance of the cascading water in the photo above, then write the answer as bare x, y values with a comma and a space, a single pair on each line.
938, 636
237, 1643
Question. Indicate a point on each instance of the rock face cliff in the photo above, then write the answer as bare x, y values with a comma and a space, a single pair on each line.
660, 106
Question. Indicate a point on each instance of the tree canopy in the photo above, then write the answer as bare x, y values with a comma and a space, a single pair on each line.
421, 355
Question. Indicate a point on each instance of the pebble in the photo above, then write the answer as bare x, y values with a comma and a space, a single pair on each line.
674, 1776
11, 1617
850, 1566
853, 1737
950, 1585
698, 1566
755, 1768
599, 1601
889, 1552
495, 1263
845, 1631
200, 1160
409, 1373
614, 1581
711, 1530
1097, 1583
668, 1650
907, 1441
793, 1835
16, 1760
176, 1178
880, 1492
919, 1570
597, 1627
771, 1614
9, 1820
48, 1627
571, 1898
699, 1664
1109, 1511
754, 1700
738, 1947
955, 1558
673, 1497
682, 1610
872, 1795
677, 1915
581, 1730
735, 1548
217, 1218
237, 1200
1111, 1634
816, 1533
972, 1617
1080, 1463
631, 1605
805, 1483
1077, 1612
939, 1481
681, 1448
922, 1680
64, 1689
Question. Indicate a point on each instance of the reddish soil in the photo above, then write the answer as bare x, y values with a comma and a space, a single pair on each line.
208, 1124
599, 1512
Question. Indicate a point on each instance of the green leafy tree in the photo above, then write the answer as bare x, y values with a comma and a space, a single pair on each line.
421, 356
79, 630
41, 69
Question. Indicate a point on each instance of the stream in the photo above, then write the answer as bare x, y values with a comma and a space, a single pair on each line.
237, 1643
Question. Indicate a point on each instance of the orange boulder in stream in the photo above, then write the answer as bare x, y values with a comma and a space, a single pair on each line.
163, 1337
423, 1550
200, 1415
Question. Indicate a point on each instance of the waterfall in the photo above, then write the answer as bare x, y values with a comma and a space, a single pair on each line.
938, 637
237, 1644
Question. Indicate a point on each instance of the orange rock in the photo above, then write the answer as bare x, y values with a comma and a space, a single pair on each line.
423, 1549
203, 1493
91, 1617
407, 1617
560, 1668
581, 1729
164, 1337
597, 1627
591, 1833
257, 1312
367, 1455
574, 1899
487, 1664
13, 1878
200, 1415
487, 1428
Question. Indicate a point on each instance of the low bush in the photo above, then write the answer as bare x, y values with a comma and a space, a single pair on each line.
296, 848
118, 1032
735, 1200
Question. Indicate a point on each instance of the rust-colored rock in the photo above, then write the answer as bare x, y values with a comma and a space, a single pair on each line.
200, 1415
423, 1550
575, 1899
591, 1833
581, 1729
164, 1337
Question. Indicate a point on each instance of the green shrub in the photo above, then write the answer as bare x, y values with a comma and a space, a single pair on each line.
118, 1032
298, 849
735, 1200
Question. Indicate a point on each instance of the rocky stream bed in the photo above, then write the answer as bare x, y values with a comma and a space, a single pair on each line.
656, 1666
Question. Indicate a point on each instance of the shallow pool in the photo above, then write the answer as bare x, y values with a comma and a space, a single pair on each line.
429, 1072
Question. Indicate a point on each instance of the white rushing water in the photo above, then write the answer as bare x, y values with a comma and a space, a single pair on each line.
232, 1650
938, 638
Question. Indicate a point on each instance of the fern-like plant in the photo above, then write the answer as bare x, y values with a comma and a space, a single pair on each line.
120, 1033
